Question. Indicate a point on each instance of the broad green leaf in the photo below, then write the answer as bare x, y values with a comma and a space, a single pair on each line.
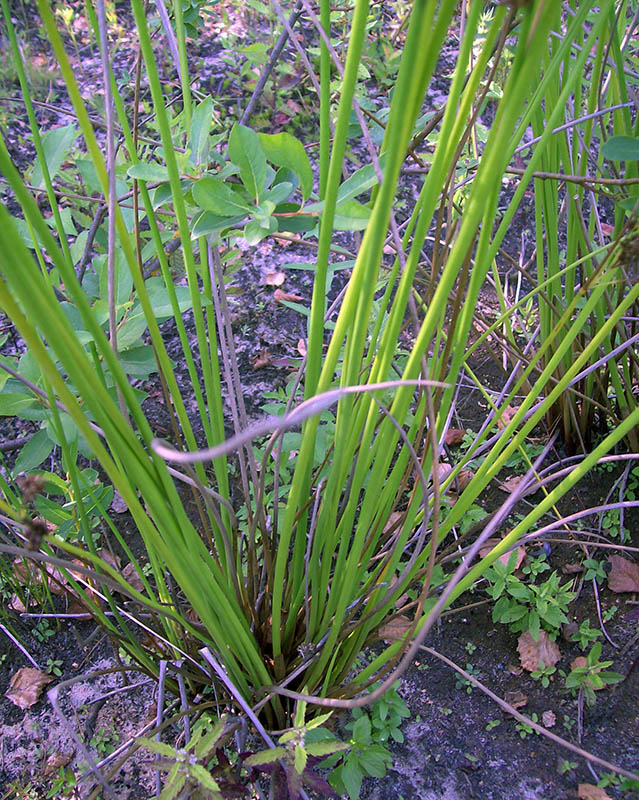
621, 148
265, 757
278, 194
34, 452
216, 196
296, 223
55, 144
148, 172
206, 222
256, 230
351, 216
319, 749
123, 282
139, 361
157, 747
204, 777
300, 759
246, 151
285, 150
200, 130
12, 403
352, 775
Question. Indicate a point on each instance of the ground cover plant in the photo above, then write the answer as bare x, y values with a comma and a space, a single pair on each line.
270, 554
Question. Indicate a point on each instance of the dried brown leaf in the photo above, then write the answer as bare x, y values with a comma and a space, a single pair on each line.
548, 719
301, 347
55, 761
572, 569
130, 574
454, 436
118, 506
624, 575
263, 359
516, 699
532, 653
395, 629
512, 485
26, 686
588, 791
282, 297
507, 414
274, 278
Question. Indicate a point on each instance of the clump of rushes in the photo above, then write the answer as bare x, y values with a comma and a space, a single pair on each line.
288, 598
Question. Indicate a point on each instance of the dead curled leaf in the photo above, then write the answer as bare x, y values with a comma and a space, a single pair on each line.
26, 686
531, 653
548, 719
283, 297
624, 575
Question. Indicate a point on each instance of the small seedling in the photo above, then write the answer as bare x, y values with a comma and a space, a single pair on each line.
493, 724
43, 631
464, 683
609, 613
525, 729
594, 570
544, 674
470, 648
567, 766
53, 667
586, 635
592, 676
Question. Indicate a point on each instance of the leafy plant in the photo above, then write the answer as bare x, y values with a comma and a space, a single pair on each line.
53, 666
592, 676
586, 635
543, 674
528, 606
525, 729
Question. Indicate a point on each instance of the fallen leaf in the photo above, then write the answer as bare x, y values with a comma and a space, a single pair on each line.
516, 699
301, 347
531, 653
395, 629
262, 360
572, 569
26, 686
548, 719
55, 761
454, 436
607, 229
130, 574
282, 297
274, 278
624, 575
118, 506
463, 479
507, 414
443, 471
588, 791
391, 523
512, 485
505, 557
